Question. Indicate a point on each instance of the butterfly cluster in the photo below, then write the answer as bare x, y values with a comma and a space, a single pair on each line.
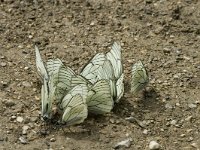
95, 90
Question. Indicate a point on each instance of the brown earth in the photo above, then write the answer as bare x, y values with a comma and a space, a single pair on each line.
165, 35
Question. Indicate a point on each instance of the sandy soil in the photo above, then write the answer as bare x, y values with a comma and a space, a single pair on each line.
164, 34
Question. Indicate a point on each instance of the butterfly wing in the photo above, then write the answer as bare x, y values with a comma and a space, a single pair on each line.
99, 98
81, 89
40, 65
74, 105
47, 97
120, 88
89, 71
116, 59
75, 111
63, 80
53, 66
139, 77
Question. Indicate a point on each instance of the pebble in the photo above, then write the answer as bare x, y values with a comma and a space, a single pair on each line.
26, 84
153, 145
3, 64
126, 143
19, 119
173, 122
192, 105
52, 140
168, 106
24, 129
188, 118
9, 103
145, 131
23, 140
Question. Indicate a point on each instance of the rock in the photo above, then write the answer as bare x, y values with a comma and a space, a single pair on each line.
23, 140
168, 106
192, 105
126, 143
9, 103
173, 122
13, 118
153, 145
19, 119
52, 140
3, 64
145, 131
26, 84
24, 129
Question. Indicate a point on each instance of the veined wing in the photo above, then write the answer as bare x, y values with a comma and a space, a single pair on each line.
116, 59
47, 97
40, 65
80, 89
106, 72
63, 81
89, 71
120, 88
53, 66
75, 112
77, 79
139, 77
99, 98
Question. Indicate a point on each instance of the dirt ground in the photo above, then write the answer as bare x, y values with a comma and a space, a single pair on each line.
164, 34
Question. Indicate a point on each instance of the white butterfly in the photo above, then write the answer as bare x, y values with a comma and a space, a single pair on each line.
99, 99
48, 77
107, 67
74, 105
47, 98
115, 58
139, 77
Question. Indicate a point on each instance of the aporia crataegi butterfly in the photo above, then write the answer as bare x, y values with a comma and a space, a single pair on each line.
47, 98
139, 77
90, 70
107, 67
74, 105
48, 74
115, 57
99, 99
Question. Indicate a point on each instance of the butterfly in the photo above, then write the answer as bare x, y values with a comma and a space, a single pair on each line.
74, 105
139, 77
99, 98
48, 75
107, 67
115, 57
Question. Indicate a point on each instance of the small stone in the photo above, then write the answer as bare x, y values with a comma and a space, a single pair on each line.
52, 140
192, 105
19, 119
24, 129
13, 118
3, 64
195, 145
26, 68
23, 140
168, 106
145, 131
9, 103
188, 118
153, 145
26, 84
173, 122
112, 121
126, 143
